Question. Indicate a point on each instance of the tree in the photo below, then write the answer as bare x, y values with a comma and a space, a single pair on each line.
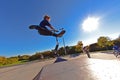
36, 56
24, 57
94, 47
71, 50
12, 60
47, 54
105, 42
79, 46
61, 51
3, 60
102, 41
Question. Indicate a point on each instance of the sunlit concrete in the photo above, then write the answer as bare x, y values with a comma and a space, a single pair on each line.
99, 67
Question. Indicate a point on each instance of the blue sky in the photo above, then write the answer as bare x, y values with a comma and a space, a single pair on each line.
17, 15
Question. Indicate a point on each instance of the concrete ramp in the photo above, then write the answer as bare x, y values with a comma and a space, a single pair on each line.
81, 69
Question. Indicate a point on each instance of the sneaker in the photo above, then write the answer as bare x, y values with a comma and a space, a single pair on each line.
61, 33
32, 27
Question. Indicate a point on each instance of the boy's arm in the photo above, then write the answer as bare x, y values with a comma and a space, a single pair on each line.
50, 26
53, 28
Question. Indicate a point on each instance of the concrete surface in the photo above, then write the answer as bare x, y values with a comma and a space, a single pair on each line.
22, 72
100, 67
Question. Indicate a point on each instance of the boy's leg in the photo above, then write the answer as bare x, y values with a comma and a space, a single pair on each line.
50, 33
33, 26
88, 54
42, 31
46, 32
61, 33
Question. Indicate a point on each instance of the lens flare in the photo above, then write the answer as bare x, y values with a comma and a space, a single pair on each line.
90, 24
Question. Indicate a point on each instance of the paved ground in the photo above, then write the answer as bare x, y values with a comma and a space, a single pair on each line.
22, 72
100, 67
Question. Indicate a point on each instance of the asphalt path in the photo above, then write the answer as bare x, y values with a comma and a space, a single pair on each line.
22, 72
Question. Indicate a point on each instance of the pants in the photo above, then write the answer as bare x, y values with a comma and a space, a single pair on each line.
45, 31
87, 52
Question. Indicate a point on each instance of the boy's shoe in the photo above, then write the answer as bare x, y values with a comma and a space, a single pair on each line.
32, 27
61, 33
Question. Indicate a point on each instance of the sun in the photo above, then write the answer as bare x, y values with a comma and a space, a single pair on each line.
90, 24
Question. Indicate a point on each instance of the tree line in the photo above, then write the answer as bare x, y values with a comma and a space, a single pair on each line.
103, 43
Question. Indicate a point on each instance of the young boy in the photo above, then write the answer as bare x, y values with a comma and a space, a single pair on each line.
86, 51
43, 30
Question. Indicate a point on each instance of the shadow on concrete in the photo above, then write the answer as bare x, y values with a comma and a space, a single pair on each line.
59, 59
74, 55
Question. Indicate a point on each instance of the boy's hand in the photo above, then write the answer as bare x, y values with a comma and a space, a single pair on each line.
55, 30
